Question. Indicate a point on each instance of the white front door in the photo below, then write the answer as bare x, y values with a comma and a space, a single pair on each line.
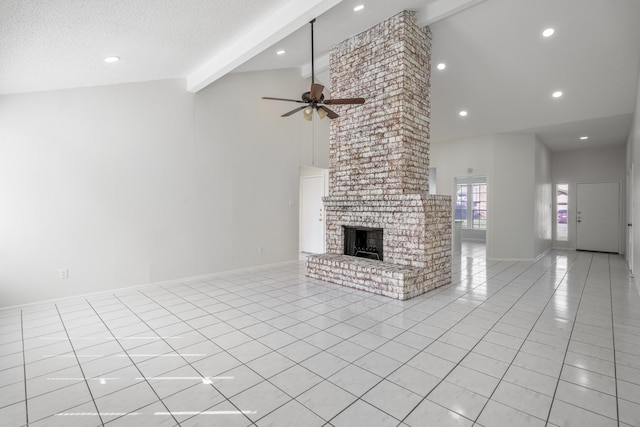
598, 217
312, 221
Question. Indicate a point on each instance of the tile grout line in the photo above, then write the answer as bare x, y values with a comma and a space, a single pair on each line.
447, 330
341, 337
282, 314
185, 360
402, 364
495, 323
613, 339
86, 382
131, 360
566, 351
518, 351
293, 398
424, 348
24, 369
440, 290
65, 368
459, 321
393, 339
247, 290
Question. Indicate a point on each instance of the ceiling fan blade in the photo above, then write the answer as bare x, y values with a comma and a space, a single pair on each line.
330, 113
344, 101
314, 99
283, 99
316, 91
294, 111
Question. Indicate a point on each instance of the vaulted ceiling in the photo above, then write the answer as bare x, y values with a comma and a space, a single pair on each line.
499, 67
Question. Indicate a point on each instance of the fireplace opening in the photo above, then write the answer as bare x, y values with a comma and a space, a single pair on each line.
363, 242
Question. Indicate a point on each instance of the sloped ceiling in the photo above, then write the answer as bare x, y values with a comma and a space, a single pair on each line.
499, 67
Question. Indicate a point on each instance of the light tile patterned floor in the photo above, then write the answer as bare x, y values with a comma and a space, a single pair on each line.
555, 342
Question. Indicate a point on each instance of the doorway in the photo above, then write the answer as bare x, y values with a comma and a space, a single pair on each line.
598, 217
312, 215
471, 208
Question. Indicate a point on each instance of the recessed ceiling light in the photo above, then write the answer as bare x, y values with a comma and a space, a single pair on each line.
281, 52
548, 32
112, 59
358, 8
584, 138
557, 94
463, 113
442, 66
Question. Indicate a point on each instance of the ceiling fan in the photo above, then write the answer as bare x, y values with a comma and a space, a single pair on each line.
314, 99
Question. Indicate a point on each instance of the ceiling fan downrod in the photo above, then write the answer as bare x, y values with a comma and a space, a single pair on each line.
314, 99
313, 68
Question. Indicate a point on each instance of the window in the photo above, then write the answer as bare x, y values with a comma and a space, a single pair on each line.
471, 202
461, 204
479, 205
562, 212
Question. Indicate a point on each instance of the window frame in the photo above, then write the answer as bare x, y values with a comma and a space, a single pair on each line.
558, 225
475, 211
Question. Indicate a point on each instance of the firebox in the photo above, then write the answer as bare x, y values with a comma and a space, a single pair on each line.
363, 242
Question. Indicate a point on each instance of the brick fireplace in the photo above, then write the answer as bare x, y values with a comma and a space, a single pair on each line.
379, 167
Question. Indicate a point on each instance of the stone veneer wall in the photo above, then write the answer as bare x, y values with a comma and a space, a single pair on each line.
382, 147
417, 244
379, 165
402, 217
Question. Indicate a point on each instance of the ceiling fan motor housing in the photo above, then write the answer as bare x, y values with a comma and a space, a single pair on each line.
306, 97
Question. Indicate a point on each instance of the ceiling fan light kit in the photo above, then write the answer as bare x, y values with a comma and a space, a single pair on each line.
314, 98
308, 113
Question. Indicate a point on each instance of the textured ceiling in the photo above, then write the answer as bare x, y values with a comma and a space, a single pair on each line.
499, 68
52, 44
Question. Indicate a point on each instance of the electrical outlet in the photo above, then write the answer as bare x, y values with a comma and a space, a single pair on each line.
63, 273
260, 249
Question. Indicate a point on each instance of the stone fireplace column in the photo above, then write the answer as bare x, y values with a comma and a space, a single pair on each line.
379, 165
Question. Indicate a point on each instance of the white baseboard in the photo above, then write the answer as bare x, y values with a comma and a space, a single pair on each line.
543, 254
147, 285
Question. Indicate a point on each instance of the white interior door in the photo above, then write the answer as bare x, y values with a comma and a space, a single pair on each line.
598, 217
312, 221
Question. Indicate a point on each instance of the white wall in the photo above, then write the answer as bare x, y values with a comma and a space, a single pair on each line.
511, 235
543, 220
589, 165
317, 151
87, 178
453, 159
633, 158
510, 163
139, 183
248, 159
